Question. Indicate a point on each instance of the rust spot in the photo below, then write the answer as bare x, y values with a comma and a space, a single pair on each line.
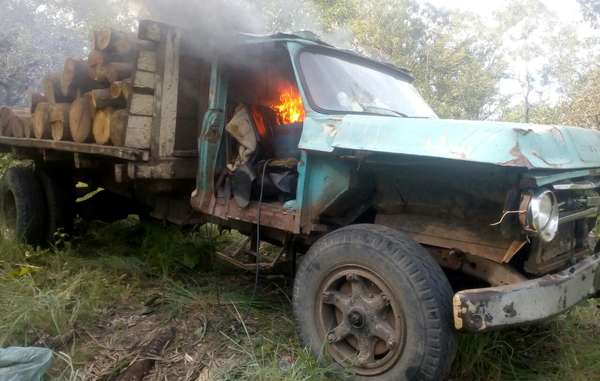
519, 159
509, 310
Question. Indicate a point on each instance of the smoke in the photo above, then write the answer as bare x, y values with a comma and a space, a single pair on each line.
221, 20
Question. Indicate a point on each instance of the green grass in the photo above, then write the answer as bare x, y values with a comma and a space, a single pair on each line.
95, 296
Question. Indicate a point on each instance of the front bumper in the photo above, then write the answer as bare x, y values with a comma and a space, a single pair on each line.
526, 302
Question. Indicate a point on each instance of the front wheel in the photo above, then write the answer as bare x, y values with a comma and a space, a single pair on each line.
376, 303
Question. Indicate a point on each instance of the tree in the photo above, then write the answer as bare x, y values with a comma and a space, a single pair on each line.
454, 61
591, 11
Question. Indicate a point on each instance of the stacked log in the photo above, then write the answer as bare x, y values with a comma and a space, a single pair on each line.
90, 100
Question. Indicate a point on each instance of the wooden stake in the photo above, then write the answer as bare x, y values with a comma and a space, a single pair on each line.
59, 121
41, 121
81, 116
102, 126
118, 127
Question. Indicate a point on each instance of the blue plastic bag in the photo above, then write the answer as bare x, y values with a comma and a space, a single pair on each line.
24, 364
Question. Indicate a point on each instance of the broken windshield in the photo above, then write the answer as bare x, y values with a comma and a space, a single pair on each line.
343, 86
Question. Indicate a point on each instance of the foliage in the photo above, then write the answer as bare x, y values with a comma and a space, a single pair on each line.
449, 53
591, 11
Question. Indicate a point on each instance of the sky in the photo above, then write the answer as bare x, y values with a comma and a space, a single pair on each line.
568, 10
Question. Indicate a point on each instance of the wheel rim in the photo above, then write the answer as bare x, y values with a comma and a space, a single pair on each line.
361, 320
9, 223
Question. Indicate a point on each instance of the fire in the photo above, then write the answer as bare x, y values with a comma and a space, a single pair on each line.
290, 108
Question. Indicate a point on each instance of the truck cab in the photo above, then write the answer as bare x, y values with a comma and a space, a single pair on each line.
413, 227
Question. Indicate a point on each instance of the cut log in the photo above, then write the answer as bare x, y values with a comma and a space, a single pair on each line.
6, 115
78, 78
54, 92
41, 121
112, 72
81, 116
118, 127
20, 123
101, 98
59, 121
20, 126
98, 57
121, 89
113, 41
101, 128
35, 99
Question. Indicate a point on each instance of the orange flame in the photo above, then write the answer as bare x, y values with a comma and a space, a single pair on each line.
290, 108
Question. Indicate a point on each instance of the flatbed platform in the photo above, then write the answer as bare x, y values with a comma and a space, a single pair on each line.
124, 153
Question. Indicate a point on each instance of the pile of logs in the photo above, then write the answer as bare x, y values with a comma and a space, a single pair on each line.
87, 102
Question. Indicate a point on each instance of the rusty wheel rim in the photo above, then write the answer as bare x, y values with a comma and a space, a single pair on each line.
361, 320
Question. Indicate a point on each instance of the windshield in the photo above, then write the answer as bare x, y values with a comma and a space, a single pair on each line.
338, 85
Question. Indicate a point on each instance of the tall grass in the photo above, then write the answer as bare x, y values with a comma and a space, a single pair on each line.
47, 294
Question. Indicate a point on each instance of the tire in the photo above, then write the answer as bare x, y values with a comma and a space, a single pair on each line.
22, 206
59, 193
400, 287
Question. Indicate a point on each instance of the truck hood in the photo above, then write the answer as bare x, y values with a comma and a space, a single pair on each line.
507, 144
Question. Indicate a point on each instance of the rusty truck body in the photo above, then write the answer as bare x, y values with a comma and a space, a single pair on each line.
408, 228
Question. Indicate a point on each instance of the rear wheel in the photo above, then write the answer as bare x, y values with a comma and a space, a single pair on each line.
22, 206
377, 303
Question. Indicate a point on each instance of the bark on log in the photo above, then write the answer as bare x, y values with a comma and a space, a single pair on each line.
102, 98
81, 116
98, 57
20, 123
6, 115
77, 77
121, 89
35, 99
101, 128
54, 91
113, 41
41, 121
118, 127
59, 121
112, 72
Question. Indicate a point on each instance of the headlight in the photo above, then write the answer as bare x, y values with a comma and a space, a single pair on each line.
542, 215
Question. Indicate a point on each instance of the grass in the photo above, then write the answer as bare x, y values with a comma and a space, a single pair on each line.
98, 294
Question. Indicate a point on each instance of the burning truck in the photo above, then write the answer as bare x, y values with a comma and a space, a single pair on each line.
407, 229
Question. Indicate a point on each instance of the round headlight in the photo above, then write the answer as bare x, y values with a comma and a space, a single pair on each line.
542, 215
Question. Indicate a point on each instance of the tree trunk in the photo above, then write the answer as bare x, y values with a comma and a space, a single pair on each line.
102, 126
81, 116
118, 127
112, 72
59, 121
102, 98
41, 121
